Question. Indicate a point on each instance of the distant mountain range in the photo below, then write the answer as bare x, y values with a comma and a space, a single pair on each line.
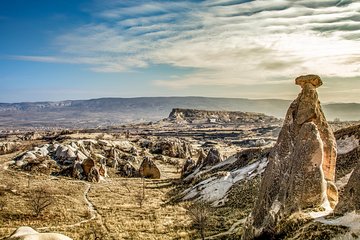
113, 111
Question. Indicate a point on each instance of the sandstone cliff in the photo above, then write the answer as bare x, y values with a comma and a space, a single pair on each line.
195, 116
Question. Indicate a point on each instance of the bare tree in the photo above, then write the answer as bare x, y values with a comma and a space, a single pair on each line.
200, 213
2, 204
140, 197
2, 199
39, 200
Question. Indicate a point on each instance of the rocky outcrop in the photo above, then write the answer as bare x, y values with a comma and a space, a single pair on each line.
348, 149
87, 165
232, 182
148, 169
213, 157
348, 163
301, 169
126, 169
93, 175
172, 148
32, 136
28, 233
8, 147
194, 116
350, 199
187, 168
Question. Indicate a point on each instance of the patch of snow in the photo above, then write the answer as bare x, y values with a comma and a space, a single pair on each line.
275, 207
214, 189
351, 220
320, 214
347, 144
28, 155
197, 172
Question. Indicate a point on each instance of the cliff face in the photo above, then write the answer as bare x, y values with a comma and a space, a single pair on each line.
204, 116
301, 169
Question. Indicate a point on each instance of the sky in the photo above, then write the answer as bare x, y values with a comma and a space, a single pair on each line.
54, 50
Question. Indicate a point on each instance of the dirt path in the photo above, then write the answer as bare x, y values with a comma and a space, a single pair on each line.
90, 207
109, 209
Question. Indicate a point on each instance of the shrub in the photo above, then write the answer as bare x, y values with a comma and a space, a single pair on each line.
201, 216
39, 200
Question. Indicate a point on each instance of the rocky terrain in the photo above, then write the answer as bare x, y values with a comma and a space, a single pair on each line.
255, 176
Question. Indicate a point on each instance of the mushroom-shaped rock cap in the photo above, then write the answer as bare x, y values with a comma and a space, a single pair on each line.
314, 80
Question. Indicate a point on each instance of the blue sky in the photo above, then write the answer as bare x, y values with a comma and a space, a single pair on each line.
58, 50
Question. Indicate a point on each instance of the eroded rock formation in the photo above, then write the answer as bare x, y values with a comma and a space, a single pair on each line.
172, 148
187, 168
8, 147
348, 163
213, 157
148, 169
301, 169
350, 199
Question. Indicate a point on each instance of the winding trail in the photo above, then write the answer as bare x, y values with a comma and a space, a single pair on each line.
90, 206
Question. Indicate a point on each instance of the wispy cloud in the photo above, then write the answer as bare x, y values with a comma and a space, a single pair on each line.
227, 41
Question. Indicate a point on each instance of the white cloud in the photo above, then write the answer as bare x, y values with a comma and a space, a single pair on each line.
254, 42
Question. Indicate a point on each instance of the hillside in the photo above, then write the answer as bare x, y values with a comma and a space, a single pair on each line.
114, 111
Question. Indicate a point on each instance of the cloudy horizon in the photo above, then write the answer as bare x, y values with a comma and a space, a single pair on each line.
217, 48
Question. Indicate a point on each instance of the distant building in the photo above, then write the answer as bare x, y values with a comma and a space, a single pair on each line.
212, 120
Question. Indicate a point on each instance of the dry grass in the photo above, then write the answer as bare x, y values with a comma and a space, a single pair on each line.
120, 216
124, 219
68, 208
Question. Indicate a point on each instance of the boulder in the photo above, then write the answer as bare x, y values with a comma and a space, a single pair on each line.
87, 165
61, 152
188, 167
103, 170
70, 154
148, 169
301, 169
202, 156
8, 147
28, 156
134, 151
80, 156
94, 175
28, 233
78, 171
172, 148
213, 157
126, 169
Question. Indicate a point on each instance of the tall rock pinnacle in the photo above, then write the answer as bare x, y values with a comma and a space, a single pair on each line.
301, 169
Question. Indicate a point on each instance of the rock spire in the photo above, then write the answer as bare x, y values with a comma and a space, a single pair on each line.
301, 169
